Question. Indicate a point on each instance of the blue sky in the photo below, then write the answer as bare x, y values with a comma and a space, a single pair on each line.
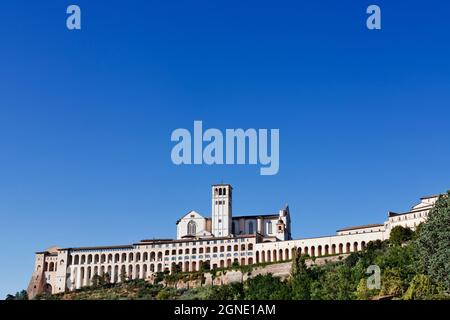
86, 116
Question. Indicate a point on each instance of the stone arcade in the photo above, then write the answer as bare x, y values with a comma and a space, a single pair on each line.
220, 241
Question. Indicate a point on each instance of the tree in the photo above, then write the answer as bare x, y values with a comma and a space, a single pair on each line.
433, 243
266, 287
400, 235
392, 283
300, 280
420, 288
20, 295
205, 266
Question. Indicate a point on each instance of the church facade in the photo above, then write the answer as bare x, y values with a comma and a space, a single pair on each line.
219, 241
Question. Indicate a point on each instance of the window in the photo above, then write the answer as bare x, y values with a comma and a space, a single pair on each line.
250, 228
269, 227
191, 228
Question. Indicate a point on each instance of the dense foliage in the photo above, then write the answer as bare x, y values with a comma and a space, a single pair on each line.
433, 243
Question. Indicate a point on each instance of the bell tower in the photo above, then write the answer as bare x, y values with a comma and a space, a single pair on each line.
221, 210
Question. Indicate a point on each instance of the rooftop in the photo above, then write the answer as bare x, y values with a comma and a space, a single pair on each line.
361, 227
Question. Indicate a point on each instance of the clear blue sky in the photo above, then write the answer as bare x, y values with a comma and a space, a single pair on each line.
86, 117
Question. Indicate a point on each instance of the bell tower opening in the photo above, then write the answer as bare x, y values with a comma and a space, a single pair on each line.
222, 196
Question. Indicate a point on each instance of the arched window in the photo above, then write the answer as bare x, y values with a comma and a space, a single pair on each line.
191, 228
269, 227
220, 191
251, 227
224, 192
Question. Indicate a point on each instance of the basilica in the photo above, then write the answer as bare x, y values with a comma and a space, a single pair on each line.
218, 241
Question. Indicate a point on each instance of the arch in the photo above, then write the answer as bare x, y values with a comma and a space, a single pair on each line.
137, 273
160, 267
89, 259
192, 228
220, 191
269, 259
116, 274
229, 263
341, 248
250, 246
313, 251
222, 264
224, 192
194, 266
96, 258
76, 260
152, 267
186, 266
152, 256
103, 258
102, 271
286, 254
333, 249
124, 257
319, 251
229, 249
138, 257
274, 255
263, 256
280, 255
88, 276
306, 251
110, 258
160, 256
250, 261
327, 249
83, 259
145, 257
257, 256
363, 245
82, 275
144, 273
130, 272
347, 247
48, 288
242, 261
116, 258
355, 246
51, 266
130, 257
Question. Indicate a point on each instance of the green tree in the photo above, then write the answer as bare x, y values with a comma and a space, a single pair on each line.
433, 243
266, 287
392, 283
20, 295
420, 288
400, 235
300, 280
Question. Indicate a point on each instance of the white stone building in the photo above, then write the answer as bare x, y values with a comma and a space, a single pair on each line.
219, 241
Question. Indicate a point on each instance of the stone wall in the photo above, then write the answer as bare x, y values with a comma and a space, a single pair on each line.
279, 270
